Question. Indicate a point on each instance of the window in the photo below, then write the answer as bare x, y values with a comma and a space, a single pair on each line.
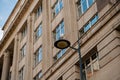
38, 56
90, 63
83, 5
39, 11
24, 31
60, 54
9, 76
23, 51
57, 7
89, 24
21, 74
79, 13
94, 20
38, 32
38, 76
61, 78
87, 27
59, 31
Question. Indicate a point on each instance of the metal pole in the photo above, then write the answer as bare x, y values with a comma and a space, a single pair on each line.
80, 61
80, 65
80, 58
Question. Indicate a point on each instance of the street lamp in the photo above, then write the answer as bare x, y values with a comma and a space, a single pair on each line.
62, 44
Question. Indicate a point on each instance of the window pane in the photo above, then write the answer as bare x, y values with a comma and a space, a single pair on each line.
40, 74
58, 55
84, 5
62, 28
58, 36
38, 32
94, 56
87, 27
94, 20
57, 9
39, 11
40, 55
87, 61
63, 51
79, 7
21, 74
23, 51
60, 31
24, 31
61, 4
90, 2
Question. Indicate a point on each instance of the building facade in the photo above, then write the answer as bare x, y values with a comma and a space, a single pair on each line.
27, 49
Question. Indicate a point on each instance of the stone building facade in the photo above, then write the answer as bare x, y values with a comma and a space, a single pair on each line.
27, 49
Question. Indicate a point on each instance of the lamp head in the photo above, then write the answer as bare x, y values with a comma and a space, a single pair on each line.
62, 44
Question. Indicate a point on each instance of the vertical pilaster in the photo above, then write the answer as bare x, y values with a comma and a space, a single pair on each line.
6, 66
29, 55
15, 59
46, 39
70, 20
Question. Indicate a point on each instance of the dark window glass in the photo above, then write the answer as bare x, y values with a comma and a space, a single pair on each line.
94, 56
87, 61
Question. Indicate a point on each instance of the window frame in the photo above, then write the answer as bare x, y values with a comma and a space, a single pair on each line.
88, 68
23, 31
60, 78
38, 32
38, 56
83, 9
38, 11
59, 31
85, 29
23, 51
38, 76
21, 73
90, 24
60, 54
57, 8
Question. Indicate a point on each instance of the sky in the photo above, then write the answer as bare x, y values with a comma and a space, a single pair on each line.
6, 7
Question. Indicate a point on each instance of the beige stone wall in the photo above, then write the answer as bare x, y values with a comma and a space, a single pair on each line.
102, 34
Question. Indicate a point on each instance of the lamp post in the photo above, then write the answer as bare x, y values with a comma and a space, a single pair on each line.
62, 44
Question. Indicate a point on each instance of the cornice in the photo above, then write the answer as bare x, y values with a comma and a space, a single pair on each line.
21, 7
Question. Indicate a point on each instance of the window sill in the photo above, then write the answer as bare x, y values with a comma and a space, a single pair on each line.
35, 65
53, 17
79, 16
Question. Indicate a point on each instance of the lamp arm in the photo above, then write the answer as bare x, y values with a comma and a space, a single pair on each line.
73, 48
